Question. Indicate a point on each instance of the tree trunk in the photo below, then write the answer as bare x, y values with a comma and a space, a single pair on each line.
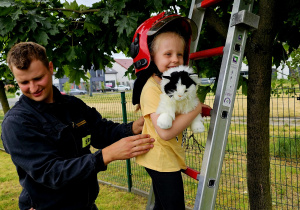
3, 98
259, 57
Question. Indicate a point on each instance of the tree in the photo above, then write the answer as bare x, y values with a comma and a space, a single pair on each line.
294, 66
76, 37
67, 87
277, 25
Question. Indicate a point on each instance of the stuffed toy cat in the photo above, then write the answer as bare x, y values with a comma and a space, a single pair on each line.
178, 96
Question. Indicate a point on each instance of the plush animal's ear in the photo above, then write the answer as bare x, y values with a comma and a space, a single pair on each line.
167, 77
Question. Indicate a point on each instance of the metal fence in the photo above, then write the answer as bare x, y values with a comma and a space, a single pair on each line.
233, 192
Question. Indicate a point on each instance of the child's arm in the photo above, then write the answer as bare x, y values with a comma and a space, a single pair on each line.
180, 123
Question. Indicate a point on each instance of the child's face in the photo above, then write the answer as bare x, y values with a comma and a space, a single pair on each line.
168, 51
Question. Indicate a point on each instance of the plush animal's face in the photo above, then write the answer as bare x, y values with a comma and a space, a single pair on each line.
179, 86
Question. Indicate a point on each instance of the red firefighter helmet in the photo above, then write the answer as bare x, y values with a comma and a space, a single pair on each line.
139, 48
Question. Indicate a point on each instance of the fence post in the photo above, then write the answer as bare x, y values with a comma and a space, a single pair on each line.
129, 178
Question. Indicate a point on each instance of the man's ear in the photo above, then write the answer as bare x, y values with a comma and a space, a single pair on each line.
51, 67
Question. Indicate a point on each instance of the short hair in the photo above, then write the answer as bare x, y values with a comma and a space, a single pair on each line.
22, 54
158, 37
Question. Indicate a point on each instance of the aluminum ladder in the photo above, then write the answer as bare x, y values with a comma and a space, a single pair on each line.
241, 21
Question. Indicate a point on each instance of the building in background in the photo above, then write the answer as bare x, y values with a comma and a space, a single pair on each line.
111, 77
121, 65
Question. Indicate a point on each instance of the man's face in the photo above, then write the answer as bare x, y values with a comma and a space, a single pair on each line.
36, 81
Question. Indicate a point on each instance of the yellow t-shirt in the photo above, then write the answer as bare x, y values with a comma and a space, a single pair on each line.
165, 156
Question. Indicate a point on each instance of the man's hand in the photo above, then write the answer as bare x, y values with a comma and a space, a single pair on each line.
137, 126
127, 148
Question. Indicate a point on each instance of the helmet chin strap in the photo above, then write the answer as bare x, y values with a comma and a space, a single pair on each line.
155, 70
159, 74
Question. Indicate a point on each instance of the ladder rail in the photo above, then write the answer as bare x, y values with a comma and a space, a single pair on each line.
196, 14
221, 114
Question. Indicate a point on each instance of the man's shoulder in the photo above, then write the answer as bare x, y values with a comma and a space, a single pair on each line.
72, 100
19, 110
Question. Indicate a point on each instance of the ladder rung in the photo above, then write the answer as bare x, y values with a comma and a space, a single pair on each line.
191, 173
208, 3
207, 53
206, 111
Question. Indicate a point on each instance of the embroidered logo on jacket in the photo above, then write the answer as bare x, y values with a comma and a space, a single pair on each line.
87, 139
81, 123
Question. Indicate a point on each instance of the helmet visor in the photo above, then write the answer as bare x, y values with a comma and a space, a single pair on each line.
193, 29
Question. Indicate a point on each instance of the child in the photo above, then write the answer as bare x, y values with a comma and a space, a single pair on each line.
160, 43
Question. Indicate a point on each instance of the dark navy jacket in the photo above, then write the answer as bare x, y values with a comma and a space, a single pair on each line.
50, 146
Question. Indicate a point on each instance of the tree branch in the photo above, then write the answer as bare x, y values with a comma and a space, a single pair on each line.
75, 11
216, 23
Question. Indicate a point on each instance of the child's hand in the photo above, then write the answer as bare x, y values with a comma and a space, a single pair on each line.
137, 126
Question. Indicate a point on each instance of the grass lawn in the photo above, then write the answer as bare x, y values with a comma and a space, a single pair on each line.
109, 197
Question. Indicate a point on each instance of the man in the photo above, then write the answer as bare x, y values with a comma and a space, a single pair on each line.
49, 135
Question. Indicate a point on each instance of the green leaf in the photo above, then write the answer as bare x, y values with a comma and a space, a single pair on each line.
79, 32
6, 3
91, 27
5, 11
278, 54
41, 37
66, 69
32, 23
15, 15
106, 13
202, 92
6, 25
71, 54
46, 22
54, 30
12, 41
158, 4
73, 6
128, 23
75, 75
118, 5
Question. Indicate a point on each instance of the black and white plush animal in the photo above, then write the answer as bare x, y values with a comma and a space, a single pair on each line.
178, 96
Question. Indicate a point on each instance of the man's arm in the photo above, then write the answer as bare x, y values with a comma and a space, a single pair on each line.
105, 132
38, 155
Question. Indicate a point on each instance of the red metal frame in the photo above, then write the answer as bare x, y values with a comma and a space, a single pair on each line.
191, 173
206, 111
208, 3
207, 53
